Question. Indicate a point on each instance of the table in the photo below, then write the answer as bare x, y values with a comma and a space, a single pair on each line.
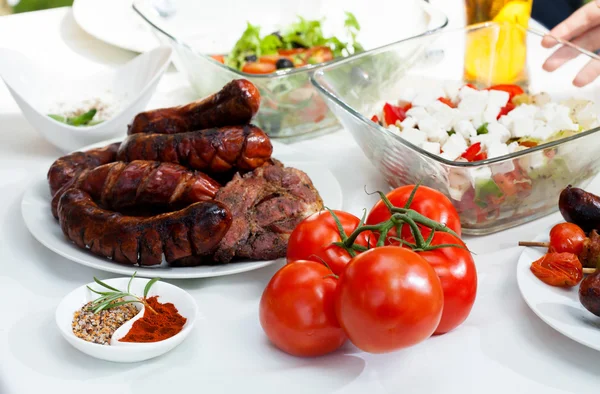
502, 347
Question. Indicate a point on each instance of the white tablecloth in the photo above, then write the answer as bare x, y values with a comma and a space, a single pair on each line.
502, 347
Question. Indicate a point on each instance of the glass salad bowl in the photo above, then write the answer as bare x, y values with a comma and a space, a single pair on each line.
291, 106
490, 195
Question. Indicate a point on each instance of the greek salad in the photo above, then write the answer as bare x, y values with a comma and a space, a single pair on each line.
462, 123
296, 45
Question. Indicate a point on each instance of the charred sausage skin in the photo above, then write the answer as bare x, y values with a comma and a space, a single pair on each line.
217, 150
192, 231
65, 169
142, 184
236, 103
580, 207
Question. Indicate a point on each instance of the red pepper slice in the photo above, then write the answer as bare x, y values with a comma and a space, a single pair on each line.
480, 156
470, 85
472, 152
447, 101
505, 110
375, 119
407, 107
393, 114
512, 90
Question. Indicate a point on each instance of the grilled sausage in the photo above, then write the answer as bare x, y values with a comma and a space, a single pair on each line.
580, 207
192, 231
242, 148
142, 184
66, 168
236, 103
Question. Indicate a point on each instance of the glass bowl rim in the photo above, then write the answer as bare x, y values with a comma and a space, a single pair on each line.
355, 114
309, 68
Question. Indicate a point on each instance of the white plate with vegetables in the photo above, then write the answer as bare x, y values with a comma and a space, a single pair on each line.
559, 307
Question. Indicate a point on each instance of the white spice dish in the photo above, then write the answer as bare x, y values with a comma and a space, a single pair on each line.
123, 92
126, 352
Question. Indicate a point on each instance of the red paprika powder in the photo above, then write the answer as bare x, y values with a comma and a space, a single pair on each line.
154, 327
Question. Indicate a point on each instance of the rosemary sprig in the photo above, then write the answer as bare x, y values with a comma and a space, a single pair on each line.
109, 299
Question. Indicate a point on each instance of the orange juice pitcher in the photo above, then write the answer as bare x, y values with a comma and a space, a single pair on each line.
497, 56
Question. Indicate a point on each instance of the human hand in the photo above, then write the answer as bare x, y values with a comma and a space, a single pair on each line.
582, 28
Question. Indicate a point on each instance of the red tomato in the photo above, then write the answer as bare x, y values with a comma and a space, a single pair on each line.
388, 298
297, 310
219, 58
512, 90
505, 110
566, 238
375, 119
472, 153
293, 51
558, 269
313, 239
447, 101
427, 202
393, 114
258, 68
272, 59
456, 269
514, 183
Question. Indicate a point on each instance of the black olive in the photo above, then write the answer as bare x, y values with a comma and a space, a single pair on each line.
284, 62
298, 45
278, 35
251, 58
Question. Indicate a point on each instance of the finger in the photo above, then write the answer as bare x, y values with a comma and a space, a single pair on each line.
580, 21
588, 73
589, 41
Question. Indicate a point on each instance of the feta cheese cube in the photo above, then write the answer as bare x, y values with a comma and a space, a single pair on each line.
433, 130
465, 128
497, 130
454, 147
490, 114
523, 111
477, 121
452, 88
427, 96
497, 150
513, 146
431, 147
473, 104
480, 174
543, 132
522, 127
588, 115
498, 98
561, 120
394, 129
465, 91
414, 136
506, 121
418, 113
406, 95
546, 113
443, 114
408, 123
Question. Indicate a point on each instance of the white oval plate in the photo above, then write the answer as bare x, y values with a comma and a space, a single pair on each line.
114, 22
35, 208
558, 307
126, 352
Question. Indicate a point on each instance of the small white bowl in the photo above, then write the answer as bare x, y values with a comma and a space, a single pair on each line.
37, 91
126, 352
